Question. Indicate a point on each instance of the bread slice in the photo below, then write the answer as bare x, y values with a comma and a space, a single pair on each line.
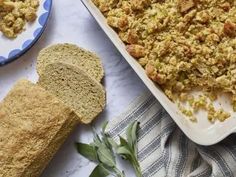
33, 125
75, 88
71, 54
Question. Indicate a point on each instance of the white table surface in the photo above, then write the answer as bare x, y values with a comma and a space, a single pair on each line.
70, 22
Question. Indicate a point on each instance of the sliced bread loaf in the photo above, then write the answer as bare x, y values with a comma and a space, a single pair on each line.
75, 88
33, 125
71, 54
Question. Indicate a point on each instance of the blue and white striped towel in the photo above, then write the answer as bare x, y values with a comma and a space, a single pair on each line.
164, 151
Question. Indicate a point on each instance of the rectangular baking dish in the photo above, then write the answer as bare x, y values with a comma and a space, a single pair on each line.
202, 132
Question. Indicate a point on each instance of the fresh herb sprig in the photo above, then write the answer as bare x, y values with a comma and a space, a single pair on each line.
103, 149
128, 148
101, 152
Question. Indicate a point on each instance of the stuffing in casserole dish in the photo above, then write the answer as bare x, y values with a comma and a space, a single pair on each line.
183, 45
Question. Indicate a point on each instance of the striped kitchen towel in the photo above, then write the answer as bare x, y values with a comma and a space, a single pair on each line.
164, 151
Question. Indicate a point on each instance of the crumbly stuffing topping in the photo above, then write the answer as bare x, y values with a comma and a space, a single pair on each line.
189, 105
14, 14
182, 44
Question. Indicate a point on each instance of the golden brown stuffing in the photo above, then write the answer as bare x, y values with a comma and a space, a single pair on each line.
185, 5
182, 44
139, 4
14, 14
230, 29
136, 50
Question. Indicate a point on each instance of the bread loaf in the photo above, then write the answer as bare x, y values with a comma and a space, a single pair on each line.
71, 54
33, 125
75, 88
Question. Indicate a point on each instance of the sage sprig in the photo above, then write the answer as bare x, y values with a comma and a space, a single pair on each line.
128, 148
101, 152
103, 149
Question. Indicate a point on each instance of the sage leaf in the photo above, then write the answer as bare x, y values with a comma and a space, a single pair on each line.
99, 171
106, 141
87, 151
96, 142
123, 142
96, 139
134, 137
106, 136
104, 126
124, 152
112, 143
105, 156
131, 134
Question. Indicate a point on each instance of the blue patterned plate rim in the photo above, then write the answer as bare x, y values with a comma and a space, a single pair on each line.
43, 19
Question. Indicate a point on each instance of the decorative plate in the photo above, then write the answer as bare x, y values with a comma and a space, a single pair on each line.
11, 49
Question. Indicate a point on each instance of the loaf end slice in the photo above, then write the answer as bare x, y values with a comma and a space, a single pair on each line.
33, 125
75, 88
71, 54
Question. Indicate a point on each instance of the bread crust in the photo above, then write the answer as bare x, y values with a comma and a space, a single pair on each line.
33, 126
71, 54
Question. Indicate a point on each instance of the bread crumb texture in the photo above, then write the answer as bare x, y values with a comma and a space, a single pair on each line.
182, 44
74, 55
33, 125
75, 88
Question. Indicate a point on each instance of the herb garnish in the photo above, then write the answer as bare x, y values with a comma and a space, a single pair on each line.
103, 150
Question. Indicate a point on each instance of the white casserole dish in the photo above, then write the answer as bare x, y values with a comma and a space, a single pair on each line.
203, 132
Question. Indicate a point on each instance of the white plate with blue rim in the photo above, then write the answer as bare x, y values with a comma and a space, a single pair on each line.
11, 49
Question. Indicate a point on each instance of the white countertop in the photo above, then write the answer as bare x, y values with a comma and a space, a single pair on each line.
70, 22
